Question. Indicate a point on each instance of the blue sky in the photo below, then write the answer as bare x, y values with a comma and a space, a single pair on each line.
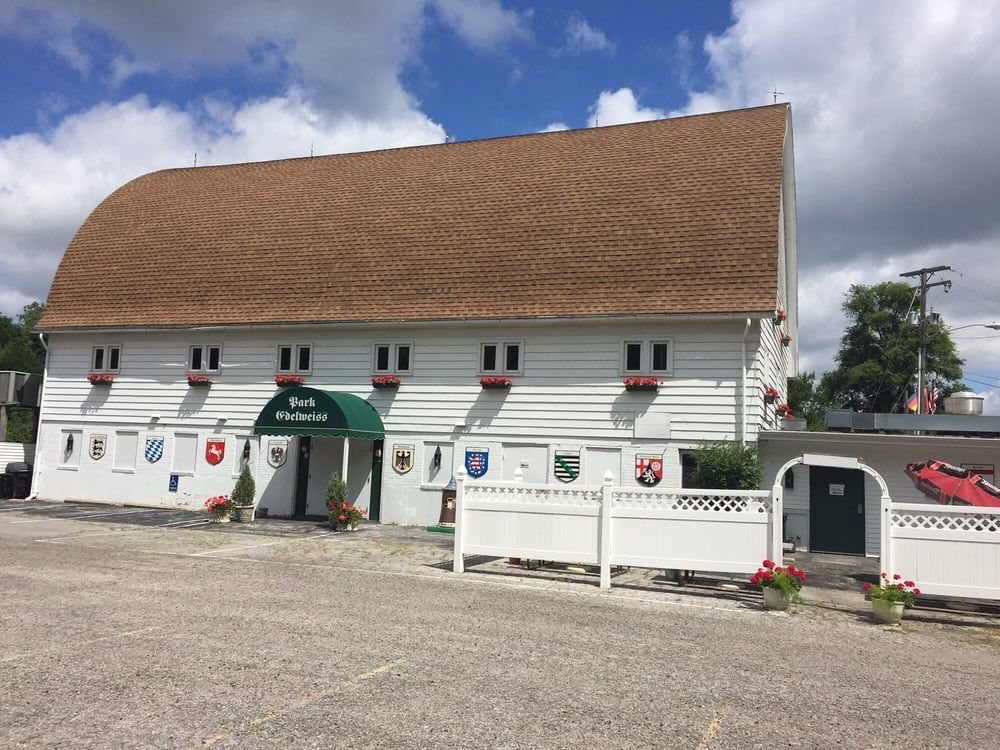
895, 107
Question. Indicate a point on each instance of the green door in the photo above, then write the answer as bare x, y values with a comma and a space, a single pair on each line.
836, 510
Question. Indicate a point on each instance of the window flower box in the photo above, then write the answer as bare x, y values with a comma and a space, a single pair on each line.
493, 382
385, 381
288, 381
101, 378
770, 395
199, 381
641, 384
785, 339
780, 316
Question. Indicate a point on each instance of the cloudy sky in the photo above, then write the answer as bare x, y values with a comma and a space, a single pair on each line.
896, 109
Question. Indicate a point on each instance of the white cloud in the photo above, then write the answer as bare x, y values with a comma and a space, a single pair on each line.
484, 24
553, 127
582, 37
52, 181
620, 107
897, 149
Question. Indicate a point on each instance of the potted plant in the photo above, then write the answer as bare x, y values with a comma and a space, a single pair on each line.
641, 384
779, 317
343, 515
242, 497
789, 422
385, 381
770, 395
196, 380
890, 598
780, 585
785, 339
495, 382
288, 381
101, 378
218, 508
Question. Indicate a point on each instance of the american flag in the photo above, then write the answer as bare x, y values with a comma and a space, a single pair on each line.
931, 396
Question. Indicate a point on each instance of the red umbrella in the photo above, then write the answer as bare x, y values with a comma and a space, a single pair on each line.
953, 485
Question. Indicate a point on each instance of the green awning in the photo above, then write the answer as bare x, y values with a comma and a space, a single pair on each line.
309, 411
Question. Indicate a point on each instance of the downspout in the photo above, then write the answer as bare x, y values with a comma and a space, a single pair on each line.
743, 391
33, 495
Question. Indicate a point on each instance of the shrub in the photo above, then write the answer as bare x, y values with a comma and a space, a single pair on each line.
244, 491
727, 466
896, 590
336, 491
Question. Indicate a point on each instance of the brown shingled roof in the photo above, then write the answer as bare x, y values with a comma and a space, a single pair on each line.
672, 216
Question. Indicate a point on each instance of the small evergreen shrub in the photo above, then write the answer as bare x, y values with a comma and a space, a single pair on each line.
244, 491
336, 491
728, 465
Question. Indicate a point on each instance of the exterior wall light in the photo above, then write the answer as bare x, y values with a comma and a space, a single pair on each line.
436, 461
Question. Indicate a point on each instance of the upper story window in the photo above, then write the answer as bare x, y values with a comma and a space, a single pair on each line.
648, 357
204, 358
393, 358
501, 357
105, 359
295, 358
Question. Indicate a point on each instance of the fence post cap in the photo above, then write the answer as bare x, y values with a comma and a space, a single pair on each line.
609, 477
460, 475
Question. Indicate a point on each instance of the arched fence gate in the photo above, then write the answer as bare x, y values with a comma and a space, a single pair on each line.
948, 550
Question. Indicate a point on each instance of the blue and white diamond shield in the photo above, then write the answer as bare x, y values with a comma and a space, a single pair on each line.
154, 449
477, 461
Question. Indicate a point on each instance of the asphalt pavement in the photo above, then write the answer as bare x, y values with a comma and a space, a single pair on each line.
166, 632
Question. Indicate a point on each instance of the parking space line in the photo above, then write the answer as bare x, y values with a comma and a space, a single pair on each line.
300, 703
84, 516
126, 634
26, 507
710, 731
187, 523
265, 544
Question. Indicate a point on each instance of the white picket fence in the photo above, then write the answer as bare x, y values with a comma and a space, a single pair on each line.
722, 531
948, 550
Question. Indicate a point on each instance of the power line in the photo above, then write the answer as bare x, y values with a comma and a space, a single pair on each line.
925, 275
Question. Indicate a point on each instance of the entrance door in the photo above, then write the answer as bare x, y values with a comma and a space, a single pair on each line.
302, 475
836, 510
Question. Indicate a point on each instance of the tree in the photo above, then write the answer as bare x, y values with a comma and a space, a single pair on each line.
808, 401
878, 351
20, 349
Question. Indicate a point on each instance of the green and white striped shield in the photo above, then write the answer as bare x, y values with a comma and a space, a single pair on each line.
567, 465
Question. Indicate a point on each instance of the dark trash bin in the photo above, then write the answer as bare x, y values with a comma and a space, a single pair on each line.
19, 476
6, 486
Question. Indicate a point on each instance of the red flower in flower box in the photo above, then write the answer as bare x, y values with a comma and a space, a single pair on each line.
494, 381
385, 381
101, 378
780, 316
289, 381
641, 384
198, 380
785, 339
770, 395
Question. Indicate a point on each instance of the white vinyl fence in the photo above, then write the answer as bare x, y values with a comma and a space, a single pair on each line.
722, 531
947, 550
11, 452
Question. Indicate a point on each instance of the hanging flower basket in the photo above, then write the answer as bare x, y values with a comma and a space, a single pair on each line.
641, 384
289, 381
199, 381
101, 378
770, 395
385, 381
780, 316
785, 339
494, 383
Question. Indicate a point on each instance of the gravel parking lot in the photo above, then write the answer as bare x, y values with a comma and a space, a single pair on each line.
126, 627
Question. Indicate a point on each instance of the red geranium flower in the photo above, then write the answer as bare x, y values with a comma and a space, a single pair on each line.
916, 591
909, 583
897, 577
768, 564
341, 518
867, 587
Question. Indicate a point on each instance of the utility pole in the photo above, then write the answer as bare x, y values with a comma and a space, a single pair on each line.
925, 275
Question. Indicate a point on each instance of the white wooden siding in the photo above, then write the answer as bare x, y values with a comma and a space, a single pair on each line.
11, 452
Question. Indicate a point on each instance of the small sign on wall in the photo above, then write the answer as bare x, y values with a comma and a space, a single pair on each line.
174, 481
836, 489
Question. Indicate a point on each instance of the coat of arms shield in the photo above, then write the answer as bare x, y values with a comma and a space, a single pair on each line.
98, 446
402, 458
566, 465
277, 452
215, 451
154, 449
477, 461
649, 470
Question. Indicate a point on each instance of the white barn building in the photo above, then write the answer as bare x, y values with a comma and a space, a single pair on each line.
564, 262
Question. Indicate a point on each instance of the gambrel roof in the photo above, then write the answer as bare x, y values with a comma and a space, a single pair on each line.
672, 216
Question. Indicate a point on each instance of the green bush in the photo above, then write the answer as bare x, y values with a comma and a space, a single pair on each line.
244, 491
336, 492
728, 466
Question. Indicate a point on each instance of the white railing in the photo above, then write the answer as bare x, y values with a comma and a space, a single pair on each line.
721, 531
948, 550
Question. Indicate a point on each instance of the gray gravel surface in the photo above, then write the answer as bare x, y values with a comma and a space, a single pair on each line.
112, 635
